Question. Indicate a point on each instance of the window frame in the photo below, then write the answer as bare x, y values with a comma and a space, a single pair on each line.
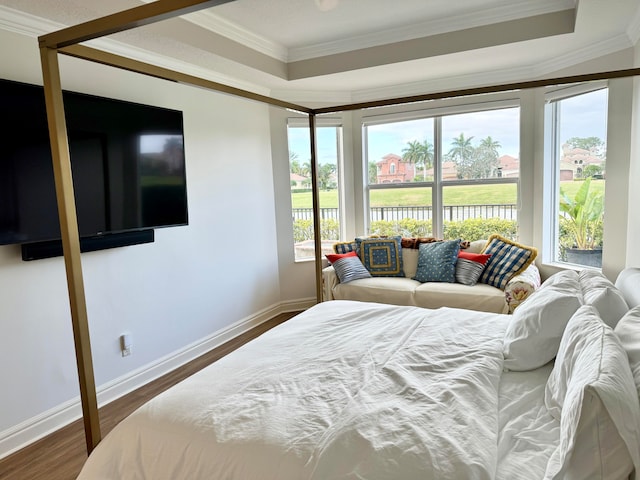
338, 124
437, 112
551, 168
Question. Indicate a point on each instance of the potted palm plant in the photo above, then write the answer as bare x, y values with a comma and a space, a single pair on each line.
581, 219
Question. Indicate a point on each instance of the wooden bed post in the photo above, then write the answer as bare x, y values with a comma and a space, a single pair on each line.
317, 240
70, 242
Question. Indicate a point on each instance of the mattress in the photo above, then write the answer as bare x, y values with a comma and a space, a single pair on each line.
346, 390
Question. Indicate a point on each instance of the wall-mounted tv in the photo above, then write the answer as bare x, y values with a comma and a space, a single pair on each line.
127, 162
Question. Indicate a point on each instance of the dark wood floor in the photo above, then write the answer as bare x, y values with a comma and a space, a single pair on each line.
60, 455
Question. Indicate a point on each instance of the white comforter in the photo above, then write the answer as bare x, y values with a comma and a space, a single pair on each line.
346, 390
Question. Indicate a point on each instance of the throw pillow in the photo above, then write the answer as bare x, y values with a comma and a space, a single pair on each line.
591, 391
344, 247
508, 259
348, 266
567, 280
600, 292
381, 256
535, 329
470, 266
437, 261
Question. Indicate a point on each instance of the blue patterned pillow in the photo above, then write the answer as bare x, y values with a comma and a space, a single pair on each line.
381, 256
437, 261
507, 260
344, 247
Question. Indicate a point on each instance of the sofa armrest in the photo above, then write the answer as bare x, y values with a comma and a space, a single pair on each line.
329, 281
521, 286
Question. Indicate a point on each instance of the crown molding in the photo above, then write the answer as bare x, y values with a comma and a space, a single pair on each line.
25, 24
170, 63
32, 26
596, 50
507, 11
233, 31
313, 98
441, 84
506, 75
633, 31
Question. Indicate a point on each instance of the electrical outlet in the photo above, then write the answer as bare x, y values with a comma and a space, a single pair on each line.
125, 344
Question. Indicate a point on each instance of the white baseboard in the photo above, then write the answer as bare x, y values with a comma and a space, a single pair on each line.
27, 432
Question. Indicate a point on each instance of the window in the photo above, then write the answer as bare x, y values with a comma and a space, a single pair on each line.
576, 123
329, 146
454, 175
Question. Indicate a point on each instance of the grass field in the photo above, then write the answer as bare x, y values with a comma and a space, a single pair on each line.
454, 195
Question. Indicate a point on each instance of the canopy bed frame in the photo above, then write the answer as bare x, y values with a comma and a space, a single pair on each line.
67, 40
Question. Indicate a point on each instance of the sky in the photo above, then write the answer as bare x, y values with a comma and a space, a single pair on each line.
581, 116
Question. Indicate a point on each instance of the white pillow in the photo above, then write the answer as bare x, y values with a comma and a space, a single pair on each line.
628, 331
533, 335
600, 292
564, 280
592, 391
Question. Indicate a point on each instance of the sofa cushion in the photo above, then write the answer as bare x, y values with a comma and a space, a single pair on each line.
508, 259
391, 290
348, 266
381, 256
410, 262
480, 297
437, 261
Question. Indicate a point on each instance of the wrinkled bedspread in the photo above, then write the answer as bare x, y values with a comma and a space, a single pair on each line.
345, 390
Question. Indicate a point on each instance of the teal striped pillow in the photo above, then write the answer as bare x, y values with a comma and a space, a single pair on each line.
348, 266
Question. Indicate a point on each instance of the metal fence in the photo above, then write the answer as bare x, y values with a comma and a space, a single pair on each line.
451, 212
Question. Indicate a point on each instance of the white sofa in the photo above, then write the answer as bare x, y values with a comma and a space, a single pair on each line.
406, 291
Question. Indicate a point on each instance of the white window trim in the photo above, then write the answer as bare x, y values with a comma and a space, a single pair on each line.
336, 122
435, 112
551, 189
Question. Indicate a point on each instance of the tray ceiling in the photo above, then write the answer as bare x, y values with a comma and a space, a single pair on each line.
356, 50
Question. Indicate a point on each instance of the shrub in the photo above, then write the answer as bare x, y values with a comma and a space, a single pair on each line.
303, 230
480, 228
471, 229
407, 227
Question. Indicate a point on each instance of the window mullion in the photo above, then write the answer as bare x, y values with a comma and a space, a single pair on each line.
436, 191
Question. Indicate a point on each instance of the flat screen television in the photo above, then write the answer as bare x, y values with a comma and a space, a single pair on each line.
127, 162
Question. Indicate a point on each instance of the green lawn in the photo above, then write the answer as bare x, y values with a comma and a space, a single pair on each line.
455, 195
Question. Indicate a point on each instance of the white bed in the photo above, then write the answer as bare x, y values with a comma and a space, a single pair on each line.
354, 390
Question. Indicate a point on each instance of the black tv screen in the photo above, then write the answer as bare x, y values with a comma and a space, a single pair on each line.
127, 163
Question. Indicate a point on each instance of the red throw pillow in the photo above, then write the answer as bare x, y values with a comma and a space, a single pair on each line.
333, 257
482, 258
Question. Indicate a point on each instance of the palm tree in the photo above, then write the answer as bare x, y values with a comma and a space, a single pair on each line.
419, 153
490, 146
462, 154
486, 163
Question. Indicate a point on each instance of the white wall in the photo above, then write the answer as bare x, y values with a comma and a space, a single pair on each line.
194, 287
633, 219
297, 279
